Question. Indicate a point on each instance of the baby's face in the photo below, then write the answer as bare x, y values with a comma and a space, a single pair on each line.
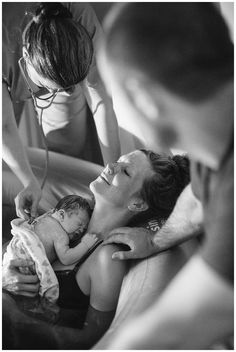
77, 221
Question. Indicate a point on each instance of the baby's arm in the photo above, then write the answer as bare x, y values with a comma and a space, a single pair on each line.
68, 255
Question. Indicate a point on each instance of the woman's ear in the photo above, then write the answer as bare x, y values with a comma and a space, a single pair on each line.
25, 52
137, 205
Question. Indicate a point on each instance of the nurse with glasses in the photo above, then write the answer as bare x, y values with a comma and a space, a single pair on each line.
58, 71
36, 94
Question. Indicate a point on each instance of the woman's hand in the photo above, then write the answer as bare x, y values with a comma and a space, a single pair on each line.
17, 283
139, 240
27, 201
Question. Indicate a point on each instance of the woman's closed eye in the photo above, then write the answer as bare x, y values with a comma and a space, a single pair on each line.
127, 173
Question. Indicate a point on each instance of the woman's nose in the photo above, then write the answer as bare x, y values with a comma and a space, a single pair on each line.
112, 168
109, 169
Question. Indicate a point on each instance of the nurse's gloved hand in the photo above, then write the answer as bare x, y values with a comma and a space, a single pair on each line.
16, 282
139, 240
27, 201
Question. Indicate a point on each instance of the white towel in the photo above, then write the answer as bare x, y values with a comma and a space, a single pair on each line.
25, 244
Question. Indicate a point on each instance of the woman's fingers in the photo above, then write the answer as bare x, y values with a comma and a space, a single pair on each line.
16, 282
30, 291
30, 286
15, 263
19, 277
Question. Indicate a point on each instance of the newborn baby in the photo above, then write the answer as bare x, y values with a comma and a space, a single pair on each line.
73, 214
48, 239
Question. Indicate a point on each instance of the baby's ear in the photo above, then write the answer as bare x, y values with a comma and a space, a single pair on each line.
61, 214
137, 204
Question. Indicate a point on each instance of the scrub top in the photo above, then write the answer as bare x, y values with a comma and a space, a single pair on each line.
15, 16
215, 189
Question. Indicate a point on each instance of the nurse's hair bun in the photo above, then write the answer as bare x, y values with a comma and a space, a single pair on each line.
50, 10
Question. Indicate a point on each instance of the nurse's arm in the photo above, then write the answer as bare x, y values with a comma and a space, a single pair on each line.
14, 155
101, 107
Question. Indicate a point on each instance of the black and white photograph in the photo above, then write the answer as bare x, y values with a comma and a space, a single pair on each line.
117, 175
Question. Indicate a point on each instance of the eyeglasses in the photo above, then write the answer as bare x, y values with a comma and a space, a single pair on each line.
37, 95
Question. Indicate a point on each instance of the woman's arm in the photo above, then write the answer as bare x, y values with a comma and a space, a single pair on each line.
106, 277
101, 107
21, 331
14, 155
97, 323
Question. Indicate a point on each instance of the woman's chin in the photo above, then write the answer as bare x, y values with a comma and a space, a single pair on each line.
97, 188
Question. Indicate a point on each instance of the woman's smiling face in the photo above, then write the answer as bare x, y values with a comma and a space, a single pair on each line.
126, 181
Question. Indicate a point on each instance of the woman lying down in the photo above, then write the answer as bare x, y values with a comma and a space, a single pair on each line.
143, 185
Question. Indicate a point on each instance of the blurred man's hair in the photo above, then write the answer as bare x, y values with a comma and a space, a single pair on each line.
185, 47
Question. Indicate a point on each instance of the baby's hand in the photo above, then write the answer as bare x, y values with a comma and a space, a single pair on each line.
89, 239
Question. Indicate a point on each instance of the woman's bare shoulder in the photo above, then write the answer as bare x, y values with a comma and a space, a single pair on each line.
104, 259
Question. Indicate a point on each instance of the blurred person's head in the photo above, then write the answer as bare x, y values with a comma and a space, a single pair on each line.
172, 65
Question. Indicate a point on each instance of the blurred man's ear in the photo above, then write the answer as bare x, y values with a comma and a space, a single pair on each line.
137, 205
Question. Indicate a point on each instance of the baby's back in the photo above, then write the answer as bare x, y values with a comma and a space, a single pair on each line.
48, 230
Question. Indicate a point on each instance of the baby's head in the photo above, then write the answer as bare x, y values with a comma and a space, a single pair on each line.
73, 212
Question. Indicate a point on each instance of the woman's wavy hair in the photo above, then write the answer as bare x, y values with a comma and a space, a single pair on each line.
162, 189
59, 48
